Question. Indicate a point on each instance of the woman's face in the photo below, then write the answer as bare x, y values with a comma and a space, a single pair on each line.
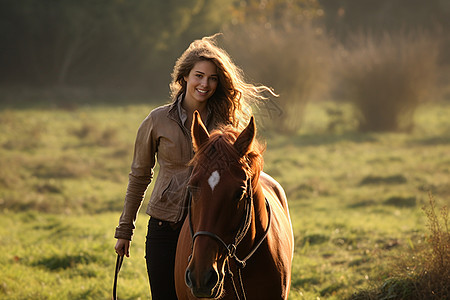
201, 83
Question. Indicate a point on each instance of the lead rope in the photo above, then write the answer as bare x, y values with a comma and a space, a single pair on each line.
231, 275
240, 264
236, 292
119, 262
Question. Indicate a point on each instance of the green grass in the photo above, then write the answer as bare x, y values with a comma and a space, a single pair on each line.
48, 256
355, 199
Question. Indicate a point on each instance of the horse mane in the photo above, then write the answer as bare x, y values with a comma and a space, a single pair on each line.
219, 152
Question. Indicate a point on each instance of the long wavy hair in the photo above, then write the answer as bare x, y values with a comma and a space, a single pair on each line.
232, 100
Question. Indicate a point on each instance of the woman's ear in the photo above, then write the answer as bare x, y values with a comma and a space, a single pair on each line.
199, 132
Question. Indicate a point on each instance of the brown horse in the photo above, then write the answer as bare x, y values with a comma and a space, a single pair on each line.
238, 222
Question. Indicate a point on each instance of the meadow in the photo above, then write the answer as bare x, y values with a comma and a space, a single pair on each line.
355, 198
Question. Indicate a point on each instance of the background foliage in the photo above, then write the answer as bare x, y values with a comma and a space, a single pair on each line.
304, 49
134, 43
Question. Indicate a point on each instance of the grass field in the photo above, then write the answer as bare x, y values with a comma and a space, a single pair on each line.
355, 199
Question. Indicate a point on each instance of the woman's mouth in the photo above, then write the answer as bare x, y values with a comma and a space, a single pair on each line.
203, 92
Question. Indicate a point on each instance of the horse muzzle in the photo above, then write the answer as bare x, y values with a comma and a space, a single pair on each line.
207, 284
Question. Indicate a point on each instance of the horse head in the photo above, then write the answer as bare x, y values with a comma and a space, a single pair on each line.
224, 170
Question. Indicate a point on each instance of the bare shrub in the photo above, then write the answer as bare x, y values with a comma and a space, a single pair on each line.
21, 132
386, 78
90, 133
435, 277
425, 272
291, 59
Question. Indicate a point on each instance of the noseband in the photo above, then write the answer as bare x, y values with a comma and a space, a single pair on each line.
242, 231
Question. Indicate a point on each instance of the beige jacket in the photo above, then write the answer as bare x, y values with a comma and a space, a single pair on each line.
163, 138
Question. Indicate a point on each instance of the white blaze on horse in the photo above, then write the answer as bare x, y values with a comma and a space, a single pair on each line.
237, 240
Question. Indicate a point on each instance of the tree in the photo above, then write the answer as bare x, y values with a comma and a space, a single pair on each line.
96, 42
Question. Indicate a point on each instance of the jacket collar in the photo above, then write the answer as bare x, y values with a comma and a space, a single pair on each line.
173, 110
178, 113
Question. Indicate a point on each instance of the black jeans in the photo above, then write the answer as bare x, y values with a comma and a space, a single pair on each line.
161, 246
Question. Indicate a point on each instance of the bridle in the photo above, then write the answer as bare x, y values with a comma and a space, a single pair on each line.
242, 231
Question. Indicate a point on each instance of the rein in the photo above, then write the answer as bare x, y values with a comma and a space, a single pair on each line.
242, 231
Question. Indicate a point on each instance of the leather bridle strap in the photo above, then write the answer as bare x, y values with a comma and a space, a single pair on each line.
266, 232
232, 247
243, 227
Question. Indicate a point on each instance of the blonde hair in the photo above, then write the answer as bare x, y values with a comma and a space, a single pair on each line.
232, 100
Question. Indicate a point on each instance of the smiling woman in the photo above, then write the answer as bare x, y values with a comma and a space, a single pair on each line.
205, 80
201, 83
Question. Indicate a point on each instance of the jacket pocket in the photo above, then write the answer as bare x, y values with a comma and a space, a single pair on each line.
173, 194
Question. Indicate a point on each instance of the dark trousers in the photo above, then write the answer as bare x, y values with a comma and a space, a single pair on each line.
161, 246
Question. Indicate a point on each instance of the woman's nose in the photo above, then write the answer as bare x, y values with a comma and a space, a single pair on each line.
205, 81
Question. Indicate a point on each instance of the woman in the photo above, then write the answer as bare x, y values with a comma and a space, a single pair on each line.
204, 79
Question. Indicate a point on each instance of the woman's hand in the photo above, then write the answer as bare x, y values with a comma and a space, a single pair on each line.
123, 247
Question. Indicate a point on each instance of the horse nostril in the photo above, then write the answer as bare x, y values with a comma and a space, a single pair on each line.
188, 279
211, 279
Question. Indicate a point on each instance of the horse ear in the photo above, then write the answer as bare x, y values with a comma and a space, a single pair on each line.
199, 132
245, 139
